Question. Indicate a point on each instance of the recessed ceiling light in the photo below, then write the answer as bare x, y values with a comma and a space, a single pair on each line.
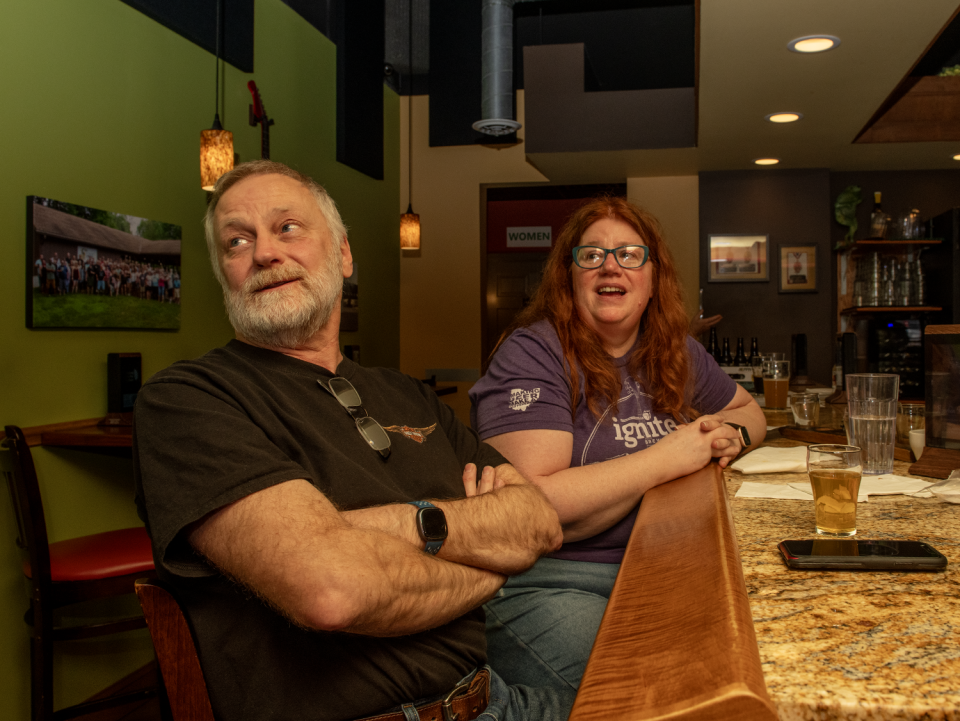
767, 161
956, 157
813, 43
784, 117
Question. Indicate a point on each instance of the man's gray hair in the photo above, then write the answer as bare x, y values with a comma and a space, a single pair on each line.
328, 208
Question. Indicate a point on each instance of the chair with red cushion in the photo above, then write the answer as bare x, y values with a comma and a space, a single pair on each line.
67, 572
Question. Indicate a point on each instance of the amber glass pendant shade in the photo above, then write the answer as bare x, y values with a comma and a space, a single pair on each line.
410, 230
216, 156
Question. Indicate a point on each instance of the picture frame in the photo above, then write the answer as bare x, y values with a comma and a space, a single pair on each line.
738, 258
798, 269
92, 269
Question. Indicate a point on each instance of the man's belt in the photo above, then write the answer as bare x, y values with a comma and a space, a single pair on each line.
467, 701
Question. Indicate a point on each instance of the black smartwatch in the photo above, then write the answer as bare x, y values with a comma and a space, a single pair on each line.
431, 525
742, 431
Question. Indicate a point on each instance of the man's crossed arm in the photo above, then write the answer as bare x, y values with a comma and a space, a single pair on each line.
364, 571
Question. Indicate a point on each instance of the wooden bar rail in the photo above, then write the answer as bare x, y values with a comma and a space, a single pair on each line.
677, 639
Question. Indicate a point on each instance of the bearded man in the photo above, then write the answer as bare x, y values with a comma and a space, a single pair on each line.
332, 562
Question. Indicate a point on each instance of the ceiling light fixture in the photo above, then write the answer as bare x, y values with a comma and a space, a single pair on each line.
957, 156
784, 117
216, 144
813, 43
767, 161
410, 221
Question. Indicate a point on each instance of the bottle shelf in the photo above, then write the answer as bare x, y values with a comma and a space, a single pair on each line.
892, 244
854, 310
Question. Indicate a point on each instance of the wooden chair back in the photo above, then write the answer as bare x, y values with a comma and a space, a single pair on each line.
677, 639
176, 653
20, 474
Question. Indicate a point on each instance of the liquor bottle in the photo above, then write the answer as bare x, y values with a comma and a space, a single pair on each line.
740, 359
726, 359
700, 313
838, 365
878, 219
713, 347
754, 351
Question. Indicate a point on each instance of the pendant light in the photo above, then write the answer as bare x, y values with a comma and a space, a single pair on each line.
216, 144
410, 221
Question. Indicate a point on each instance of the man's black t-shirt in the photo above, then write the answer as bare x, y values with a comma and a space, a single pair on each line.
240, 419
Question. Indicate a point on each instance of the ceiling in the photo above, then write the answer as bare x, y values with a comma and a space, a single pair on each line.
745, 72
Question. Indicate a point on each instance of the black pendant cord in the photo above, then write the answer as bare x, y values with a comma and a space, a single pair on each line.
216, 66
410, 114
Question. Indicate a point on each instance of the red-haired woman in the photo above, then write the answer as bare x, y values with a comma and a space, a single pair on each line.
597, 394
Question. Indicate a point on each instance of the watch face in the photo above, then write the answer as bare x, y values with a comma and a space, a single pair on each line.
433, 523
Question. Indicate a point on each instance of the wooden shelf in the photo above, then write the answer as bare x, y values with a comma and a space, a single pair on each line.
856, 310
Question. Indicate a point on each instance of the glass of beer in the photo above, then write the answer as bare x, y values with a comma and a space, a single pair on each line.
834, 472
776, 382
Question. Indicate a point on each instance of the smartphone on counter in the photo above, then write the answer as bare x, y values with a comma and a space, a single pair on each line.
861, 554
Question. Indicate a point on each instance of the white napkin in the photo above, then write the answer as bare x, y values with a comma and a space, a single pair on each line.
773, 460
885, 485
749, 489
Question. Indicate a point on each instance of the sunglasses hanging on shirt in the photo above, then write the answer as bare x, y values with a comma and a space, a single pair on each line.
347, 396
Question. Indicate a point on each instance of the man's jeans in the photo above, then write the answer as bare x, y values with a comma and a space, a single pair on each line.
541, 625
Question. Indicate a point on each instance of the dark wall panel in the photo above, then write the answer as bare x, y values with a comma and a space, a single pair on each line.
360, 33
793, 207
455, 64
197, 22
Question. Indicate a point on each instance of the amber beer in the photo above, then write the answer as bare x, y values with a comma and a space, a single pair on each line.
776, 381
775, 392
835, 496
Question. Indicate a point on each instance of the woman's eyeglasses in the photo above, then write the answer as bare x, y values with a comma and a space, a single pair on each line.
347, 396
590, 257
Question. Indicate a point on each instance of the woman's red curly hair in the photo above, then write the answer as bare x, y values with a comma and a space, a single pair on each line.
661, 354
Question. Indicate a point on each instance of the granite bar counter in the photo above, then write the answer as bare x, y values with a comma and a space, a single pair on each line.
853, 644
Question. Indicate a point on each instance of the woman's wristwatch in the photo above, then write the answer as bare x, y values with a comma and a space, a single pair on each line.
742, 432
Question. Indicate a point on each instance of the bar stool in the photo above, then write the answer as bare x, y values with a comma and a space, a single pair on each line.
67, 572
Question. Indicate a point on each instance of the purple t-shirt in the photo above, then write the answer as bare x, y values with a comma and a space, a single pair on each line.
526, 388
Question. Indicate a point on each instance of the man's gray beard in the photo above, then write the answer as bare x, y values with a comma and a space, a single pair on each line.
289, 317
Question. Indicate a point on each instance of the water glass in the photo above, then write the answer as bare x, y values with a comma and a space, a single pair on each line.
873, 416
776, 382
835, 473
909, 418
806, 409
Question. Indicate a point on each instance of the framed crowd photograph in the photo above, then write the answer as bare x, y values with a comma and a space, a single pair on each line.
798, 269
738, 258
95, 269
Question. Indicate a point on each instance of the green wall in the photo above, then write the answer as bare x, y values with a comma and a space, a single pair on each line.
104, 107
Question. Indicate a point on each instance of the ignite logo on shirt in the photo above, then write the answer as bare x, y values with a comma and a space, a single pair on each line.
521, 399
645, 427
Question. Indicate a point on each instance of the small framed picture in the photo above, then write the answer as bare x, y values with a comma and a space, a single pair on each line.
798, 269
738, 258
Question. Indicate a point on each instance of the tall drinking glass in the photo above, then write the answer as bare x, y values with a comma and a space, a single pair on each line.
834, 472
776, 383
873, 418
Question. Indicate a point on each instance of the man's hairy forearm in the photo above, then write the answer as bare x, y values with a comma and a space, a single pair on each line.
505, 530
291, 547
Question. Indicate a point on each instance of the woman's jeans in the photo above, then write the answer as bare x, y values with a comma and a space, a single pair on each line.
542, 623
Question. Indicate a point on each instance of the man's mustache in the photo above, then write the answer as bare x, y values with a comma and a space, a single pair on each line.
271, 276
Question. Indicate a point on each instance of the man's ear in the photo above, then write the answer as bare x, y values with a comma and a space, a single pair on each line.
347, 257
